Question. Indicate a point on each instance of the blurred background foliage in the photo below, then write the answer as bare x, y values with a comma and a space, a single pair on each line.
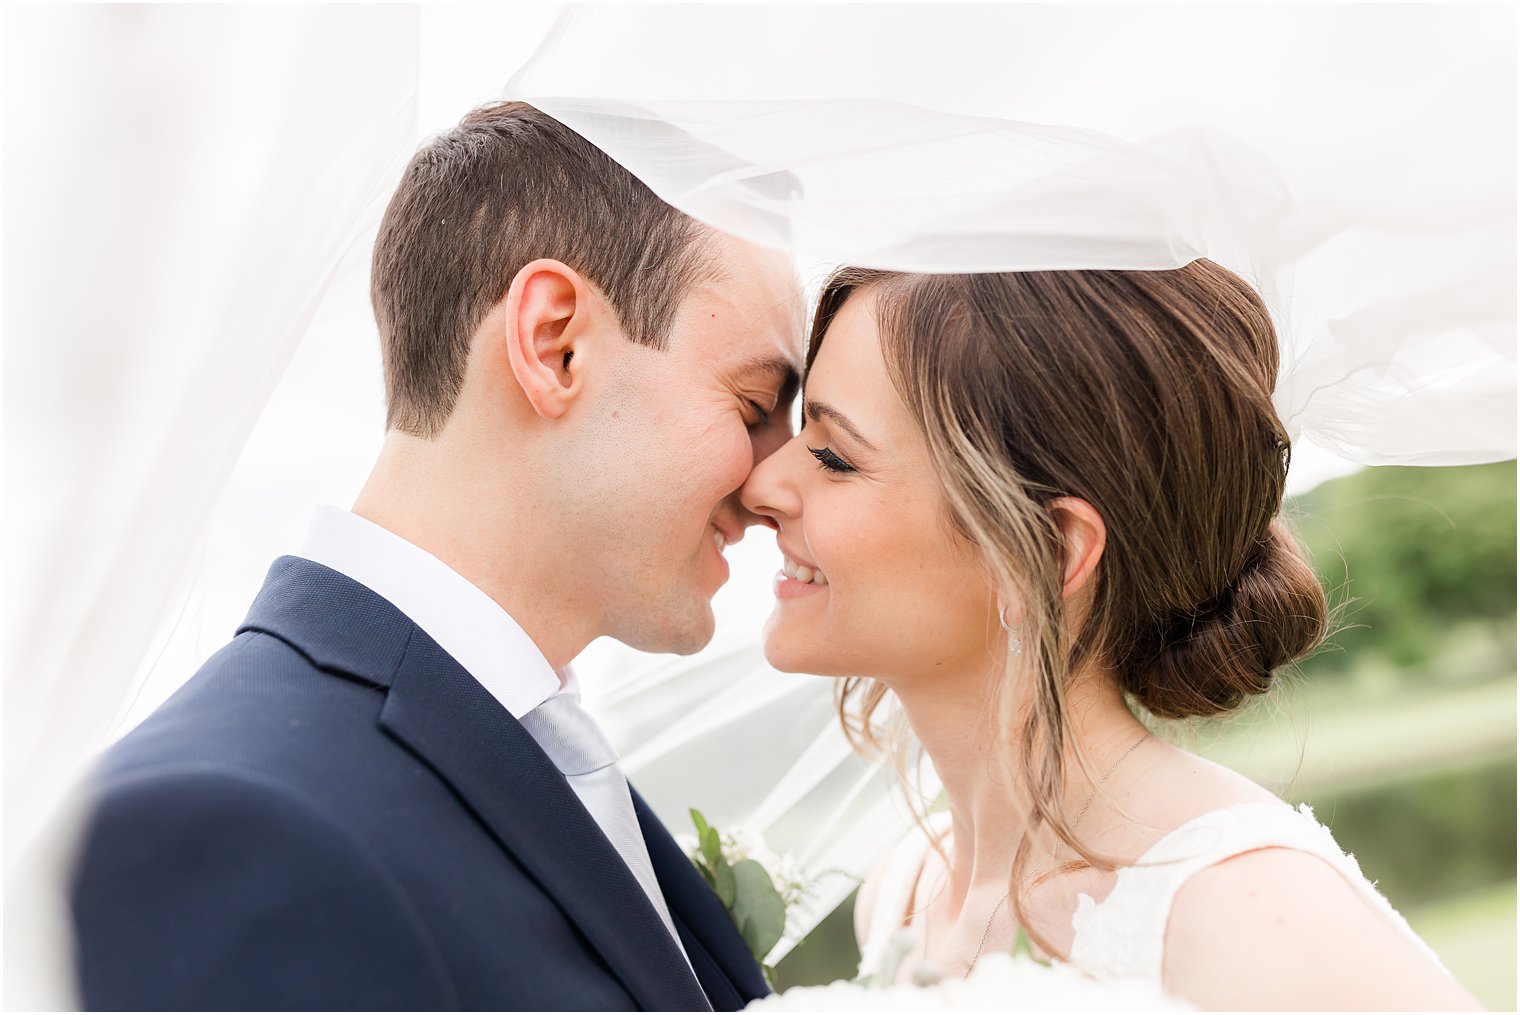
1400, 732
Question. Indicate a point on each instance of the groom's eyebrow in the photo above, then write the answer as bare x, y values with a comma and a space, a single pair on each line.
820, 410
778, 367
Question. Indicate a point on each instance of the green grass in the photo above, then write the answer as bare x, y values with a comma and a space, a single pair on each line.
1315, 745
1474, 933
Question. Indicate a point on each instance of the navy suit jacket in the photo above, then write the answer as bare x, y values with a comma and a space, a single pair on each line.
333, 814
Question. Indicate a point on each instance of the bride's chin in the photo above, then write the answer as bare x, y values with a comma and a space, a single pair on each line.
793, 644
803, 668
778, 658
791, 658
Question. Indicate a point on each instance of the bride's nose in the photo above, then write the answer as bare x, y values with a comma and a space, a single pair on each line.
770, 492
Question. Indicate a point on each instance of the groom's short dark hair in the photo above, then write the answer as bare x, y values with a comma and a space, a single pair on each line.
509, 185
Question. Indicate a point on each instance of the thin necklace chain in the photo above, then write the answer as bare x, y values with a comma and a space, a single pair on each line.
1080, 815
1104, 778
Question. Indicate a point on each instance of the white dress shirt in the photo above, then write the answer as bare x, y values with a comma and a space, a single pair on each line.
472, 628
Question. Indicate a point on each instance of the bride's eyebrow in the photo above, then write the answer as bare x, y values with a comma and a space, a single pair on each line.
815, 411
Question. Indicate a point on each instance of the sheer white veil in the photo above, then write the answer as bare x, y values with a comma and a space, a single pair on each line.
1356, 162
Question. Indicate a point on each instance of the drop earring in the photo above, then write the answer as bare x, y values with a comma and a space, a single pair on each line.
1015, 645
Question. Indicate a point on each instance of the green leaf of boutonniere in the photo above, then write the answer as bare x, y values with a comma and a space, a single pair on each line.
725, 884
758, 910
712, 851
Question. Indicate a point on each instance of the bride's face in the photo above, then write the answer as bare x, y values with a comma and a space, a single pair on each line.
895, 593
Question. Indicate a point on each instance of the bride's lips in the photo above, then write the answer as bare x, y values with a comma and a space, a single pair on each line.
789, 587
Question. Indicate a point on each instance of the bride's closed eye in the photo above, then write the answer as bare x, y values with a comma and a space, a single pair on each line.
830, 461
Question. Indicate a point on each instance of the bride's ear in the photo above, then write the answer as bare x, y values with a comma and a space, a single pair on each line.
1084, 535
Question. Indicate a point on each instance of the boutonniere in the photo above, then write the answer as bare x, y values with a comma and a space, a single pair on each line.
756, 886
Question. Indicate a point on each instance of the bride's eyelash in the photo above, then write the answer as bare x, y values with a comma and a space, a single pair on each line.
830, 461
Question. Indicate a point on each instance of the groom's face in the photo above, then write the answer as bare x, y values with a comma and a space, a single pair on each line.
692, 420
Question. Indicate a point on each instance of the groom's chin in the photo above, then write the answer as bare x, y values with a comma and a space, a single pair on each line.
685, 634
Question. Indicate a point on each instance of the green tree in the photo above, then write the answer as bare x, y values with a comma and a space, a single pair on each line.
1413, 552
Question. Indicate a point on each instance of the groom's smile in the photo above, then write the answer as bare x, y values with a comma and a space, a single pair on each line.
719, 544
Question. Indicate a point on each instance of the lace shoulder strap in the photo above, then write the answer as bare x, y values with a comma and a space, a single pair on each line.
895, 891
1123, 936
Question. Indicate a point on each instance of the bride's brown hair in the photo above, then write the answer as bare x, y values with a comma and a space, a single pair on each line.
1147, 394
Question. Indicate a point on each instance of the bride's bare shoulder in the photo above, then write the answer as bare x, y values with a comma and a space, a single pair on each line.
1279, 928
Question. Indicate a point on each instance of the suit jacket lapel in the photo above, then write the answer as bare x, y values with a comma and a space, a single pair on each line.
445, 717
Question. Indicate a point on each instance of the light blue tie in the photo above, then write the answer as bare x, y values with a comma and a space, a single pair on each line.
580, 750
569, 736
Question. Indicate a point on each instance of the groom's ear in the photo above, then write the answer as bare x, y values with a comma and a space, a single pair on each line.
549, 314
1084, 536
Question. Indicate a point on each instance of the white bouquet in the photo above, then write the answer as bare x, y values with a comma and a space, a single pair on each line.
999, 982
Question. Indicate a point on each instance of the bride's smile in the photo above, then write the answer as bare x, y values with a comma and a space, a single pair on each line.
803, 575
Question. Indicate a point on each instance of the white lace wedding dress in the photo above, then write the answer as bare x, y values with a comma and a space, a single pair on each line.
1122, 936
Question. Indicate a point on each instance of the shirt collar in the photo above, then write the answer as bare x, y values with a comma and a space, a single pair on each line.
465, 622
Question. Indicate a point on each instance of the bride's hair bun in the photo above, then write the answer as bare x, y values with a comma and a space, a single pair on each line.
1210, 658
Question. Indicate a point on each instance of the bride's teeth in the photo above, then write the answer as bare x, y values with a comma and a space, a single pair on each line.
802, 573
718, 540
